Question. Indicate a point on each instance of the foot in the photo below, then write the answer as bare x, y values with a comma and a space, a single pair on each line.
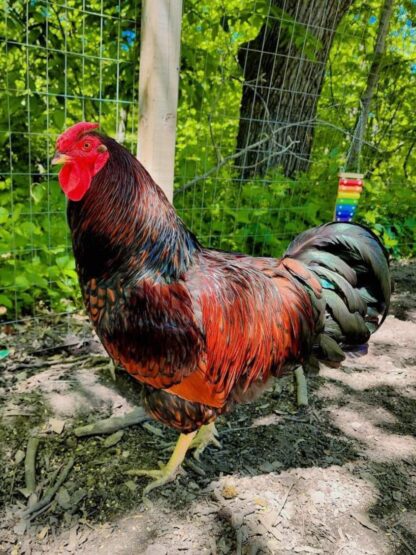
160, 477
167, 473
205, 436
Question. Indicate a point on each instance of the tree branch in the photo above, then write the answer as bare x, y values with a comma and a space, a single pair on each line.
372, 80
273, 154
240, 153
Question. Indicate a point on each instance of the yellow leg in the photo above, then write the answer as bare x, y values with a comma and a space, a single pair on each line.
169, 471
206, 435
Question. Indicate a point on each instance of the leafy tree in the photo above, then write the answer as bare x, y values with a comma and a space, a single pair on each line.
284, 70
55, 70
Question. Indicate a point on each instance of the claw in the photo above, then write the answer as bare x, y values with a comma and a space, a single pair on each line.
207, 435
168, 472
160, 477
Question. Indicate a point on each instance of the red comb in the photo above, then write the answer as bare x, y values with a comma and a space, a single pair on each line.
73, 133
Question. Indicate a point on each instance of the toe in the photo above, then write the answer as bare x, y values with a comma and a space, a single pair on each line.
197, 454
215, 441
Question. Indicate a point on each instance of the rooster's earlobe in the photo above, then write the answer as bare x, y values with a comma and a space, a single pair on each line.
102, 148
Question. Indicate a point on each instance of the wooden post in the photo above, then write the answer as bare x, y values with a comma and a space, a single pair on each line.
158, 89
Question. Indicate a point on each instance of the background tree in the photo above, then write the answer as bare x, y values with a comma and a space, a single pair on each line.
353, 159
284, 70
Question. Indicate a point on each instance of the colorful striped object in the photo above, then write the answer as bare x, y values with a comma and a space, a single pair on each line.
350, 186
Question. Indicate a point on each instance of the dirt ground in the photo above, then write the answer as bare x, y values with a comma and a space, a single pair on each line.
339, 478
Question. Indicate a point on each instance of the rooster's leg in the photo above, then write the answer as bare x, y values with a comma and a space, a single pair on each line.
301, 387
206, 434
169, 471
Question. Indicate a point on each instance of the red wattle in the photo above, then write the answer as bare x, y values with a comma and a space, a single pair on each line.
75, 176
74, 180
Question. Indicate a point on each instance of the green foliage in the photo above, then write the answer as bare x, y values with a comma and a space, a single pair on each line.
58, 79
55, 70
388, 160
260, 216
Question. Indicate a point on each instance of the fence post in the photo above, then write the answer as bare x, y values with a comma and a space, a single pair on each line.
158, 89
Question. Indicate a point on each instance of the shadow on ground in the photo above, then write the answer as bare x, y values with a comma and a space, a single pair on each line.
340, 478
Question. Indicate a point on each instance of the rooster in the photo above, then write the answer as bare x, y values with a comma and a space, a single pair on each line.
203, 329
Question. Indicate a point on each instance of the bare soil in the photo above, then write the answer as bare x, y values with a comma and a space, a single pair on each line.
339, 478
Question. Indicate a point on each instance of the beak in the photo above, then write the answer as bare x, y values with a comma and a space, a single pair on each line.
60, 158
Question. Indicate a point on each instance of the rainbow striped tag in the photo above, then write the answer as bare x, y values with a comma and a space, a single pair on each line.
350, 186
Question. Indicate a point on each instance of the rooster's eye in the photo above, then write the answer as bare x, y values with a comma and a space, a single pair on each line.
86, 146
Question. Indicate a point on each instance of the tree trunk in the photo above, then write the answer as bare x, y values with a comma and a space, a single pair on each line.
284, 70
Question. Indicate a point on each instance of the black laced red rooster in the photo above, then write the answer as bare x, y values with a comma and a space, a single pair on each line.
200, 328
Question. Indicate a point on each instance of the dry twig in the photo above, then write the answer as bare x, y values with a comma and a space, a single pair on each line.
110, 425
51, 491
30, 461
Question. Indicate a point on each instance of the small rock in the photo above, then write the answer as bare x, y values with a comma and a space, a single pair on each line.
229, 491
20, 527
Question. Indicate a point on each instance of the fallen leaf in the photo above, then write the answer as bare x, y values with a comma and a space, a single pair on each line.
261, 502
112, 440
25, 491
397, 496
42, 534
152, 429
18, 458
77, 496
63, 498
131, 485
56, 425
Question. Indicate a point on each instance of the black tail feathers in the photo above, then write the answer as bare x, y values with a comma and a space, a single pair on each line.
352, 267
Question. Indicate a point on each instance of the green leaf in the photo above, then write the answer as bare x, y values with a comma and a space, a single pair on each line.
58, 117
22, 282
5, 301
4, 215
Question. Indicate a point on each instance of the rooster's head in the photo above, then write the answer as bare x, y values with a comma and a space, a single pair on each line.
83, 155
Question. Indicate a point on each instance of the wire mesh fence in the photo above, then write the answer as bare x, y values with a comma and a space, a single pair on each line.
269, 97
237, 185
60, 63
